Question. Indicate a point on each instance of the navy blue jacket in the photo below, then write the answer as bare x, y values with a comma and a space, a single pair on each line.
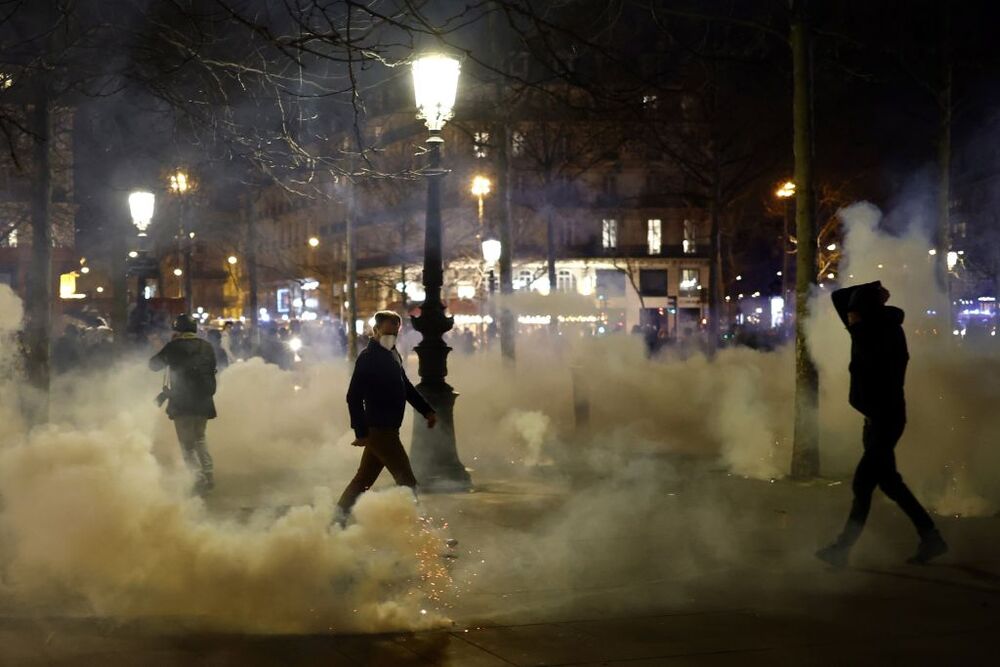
878, 352
379, 392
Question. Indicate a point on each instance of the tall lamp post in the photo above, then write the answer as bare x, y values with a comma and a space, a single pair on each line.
141, 205
480, 188
180, 185
492, 249
787, 193
434, 453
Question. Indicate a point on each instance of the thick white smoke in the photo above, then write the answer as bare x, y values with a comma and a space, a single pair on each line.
948, 452
96, 516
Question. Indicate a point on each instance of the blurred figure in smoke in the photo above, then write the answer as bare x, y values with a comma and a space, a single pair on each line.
377, 398
221, 358
190, 405
67, 350
878, 367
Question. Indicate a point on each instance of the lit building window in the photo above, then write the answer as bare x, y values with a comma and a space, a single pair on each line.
524, 280
654, 235
565, 281
480, 142
690, 282
12, 239
690, 237
609, 233
517, 143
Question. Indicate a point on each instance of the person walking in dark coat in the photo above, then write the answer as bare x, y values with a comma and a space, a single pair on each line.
878, 368
376, 399
190, 405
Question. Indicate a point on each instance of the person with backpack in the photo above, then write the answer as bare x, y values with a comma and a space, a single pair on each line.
190, 405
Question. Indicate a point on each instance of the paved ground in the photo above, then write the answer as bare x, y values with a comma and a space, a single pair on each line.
764, 601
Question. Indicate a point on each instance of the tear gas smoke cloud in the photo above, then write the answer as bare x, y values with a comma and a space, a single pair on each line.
948, 453
95, 513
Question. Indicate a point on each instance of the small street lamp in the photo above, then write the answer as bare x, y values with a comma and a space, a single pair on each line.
786, 192
313, 242
434, 452
491, 255
180, 184
232, 259
480, 188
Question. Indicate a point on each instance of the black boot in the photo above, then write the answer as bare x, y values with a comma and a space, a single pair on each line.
931, 546
835, 554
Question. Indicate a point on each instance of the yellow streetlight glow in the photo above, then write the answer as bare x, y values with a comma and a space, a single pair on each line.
179, 183
85, 269
178, 272
232, 259
480, 186
313, 242
100, 290
832, 247
786, 190
133, 254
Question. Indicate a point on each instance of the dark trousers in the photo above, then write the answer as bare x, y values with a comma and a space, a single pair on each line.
191, 435
877, 468
384, 449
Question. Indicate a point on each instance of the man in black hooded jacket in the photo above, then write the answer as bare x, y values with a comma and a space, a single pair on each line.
878, 368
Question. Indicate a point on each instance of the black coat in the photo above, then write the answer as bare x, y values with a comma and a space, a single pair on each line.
878, 353
192, 376
379, 391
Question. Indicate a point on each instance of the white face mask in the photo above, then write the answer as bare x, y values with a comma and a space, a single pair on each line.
388, 341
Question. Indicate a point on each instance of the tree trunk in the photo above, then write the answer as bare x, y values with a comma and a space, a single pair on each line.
352, 280
251, 213
805, 446
188, 243
508, 323
943, 233
121, 230
38, 324
715, 268
550, 255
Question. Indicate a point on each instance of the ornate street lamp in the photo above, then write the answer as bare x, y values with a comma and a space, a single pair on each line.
492, 250
141, 205
434, 452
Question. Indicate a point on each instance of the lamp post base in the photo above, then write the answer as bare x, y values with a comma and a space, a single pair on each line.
433, 454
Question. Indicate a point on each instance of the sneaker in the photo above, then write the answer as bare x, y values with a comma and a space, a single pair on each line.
931, 546
204, 485
834, 555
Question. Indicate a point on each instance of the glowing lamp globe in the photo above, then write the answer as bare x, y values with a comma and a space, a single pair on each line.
140, 205
435, 84
491, 250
